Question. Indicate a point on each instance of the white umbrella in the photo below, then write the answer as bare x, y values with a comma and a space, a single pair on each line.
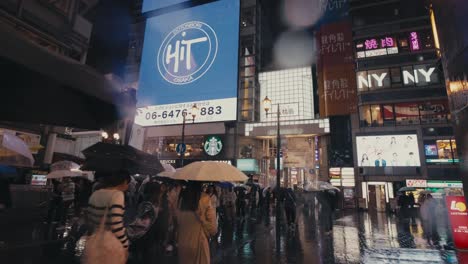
14, 151
67, 168
210, 171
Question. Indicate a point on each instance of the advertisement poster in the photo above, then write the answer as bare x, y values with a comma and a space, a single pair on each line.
388, 151
188, 59
458, 217
335, 67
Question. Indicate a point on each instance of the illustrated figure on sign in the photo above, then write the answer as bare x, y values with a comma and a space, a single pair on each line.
395, 159
380, 162
377, 146
409, 142
365, 161
411, 160
393, 143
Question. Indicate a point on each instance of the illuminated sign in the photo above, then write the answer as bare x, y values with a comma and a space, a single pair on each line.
376, 47
382, 77
417, 183
388, 151
187, 59
150, 5
213, 145
415, 45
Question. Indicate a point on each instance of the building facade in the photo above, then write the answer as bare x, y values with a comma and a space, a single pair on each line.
403, 130
46, 60
249, 141
448, 19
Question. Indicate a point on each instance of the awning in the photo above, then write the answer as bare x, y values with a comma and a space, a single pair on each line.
40, 86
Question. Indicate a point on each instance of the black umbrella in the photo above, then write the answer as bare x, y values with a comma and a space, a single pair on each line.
112, 157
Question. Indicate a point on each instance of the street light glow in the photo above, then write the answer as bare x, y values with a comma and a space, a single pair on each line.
195, 111
267, 104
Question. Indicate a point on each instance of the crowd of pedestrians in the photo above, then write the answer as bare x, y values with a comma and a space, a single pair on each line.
152, 218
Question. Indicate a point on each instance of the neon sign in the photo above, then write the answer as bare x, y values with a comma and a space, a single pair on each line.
414, 41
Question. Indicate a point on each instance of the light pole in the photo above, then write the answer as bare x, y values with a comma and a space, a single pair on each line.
193, 113
267, 106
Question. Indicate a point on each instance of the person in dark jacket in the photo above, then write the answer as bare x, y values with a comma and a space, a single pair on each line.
290, 206
327, 207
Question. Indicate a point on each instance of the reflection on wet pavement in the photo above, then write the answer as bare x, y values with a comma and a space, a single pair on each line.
356, 238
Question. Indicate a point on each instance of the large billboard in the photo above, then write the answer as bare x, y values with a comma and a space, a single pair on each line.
190, 57
388, 151
336, 79
150, 5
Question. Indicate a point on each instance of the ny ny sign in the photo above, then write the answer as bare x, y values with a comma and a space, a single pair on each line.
379, 80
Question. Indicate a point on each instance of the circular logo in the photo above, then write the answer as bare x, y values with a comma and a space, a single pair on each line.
460, 206
213, 145
187, 52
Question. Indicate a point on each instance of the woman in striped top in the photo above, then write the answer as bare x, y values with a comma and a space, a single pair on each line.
110, 196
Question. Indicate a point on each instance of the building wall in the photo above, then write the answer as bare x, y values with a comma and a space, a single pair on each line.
397, 36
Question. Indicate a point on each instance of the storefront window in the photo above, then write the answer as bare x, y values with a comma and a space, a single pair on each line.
434, 112
407, 113
388, 115
376, 114
365, 116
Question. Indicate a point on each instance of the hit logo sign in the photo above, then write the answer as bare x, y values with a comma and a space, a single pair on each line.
187, 52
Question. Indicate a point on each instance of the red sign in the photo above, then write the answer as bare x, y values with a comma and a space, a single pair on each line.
458, 216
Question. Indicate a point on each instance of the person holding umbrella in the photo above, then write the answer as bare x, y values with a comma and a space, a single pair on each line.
196, 224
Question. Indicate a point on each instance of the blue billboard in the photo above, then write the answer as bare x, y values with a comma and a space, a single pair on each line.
150, 5
190, 57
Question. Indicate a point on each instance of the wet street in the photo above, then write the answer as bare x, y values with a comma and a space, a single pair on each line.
356, 238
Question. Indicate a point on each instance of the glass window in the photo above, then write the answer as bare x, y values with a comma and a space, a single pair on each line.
247, 46
403, 43
248, 17
247, 61
407, 113
376, 114
388, 112
247, 71
396, 75
365, 116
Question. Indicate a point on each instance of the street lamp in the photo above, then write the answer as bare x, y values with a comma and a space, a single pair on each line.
194, 114
267, 107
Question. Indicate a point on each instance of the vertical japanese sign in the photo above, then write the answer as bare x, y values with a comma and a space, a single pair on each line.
336, 76
458, 216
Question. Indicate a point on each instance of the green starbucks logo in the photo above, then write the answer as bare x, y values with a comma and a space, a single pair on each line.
213, 145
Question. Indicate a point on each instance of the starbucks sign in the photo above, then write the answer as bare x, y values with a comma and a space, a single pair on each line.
213, 145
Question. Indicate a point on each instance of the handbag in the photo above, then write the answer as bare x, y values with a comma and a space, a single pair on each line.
102, 247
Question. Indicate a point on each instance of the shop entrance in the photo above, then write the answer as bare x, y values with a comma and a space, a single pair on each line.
377, 200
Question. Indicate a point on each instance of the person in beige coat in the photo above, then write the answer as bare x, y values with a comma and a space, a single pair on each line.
196, 221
